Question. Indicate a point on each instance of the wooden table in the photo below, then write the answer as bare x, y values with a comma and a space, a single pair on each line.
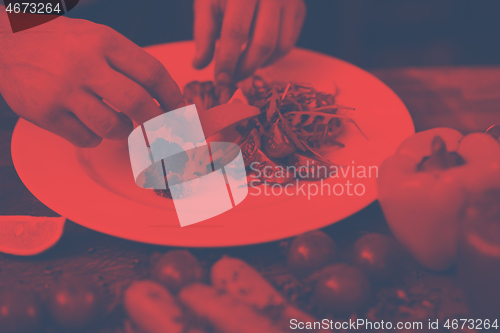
464, 98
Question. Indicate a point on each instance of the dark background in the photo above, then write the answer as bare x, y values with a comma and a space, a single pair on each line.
370, 34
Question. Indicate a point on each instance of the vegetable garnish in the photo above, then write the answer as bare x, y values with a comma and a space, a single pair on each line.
309, 118
290, 119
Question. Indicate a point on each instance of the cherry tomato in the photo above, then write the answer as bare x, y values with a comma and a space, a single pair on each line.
177, 268
74, 304
152, 308
19, 312
276, 143
342, 288
378, 255
311, 251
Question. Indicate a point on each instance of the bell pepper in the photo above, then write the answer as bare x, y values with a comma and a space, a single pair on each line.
424, 186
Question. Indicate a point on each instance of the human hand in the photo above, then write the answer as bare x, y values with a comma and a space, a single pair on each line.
56, 76
269, 28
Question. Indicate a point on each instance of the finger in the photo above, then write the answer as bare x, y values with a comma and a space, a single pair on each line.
68, 126
100, 118
238, 17
206, 29
264, 38
128, 97
292, 19
131, 60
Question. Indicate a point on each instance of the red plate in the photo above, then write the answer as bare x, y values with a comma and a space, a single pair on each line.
95, 187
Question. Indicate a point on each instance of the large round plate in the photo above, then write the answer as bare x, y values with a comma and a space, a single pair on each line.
95, 187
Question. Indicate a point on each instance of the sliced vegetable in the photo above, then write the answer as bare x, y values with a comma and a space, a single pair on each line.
29, 235
268, 121
309, 168
251, 146
206, 95
309, 117
319, 124
221, 116
276, 144
274, 104
269, 171
292, 134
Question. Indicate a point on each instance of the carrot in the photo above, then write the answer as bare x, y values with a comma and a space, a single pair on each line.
224, 312
246, 284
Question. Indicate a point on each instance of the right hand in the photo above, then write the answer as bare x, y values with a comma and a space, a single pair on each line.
57, 75
268, 28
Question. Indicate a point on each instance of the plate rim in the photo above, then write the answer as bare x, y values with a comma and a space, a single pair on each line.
15, 150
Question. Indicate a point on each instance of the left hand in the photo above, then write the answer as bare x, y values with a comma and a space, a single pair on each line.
268, 28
